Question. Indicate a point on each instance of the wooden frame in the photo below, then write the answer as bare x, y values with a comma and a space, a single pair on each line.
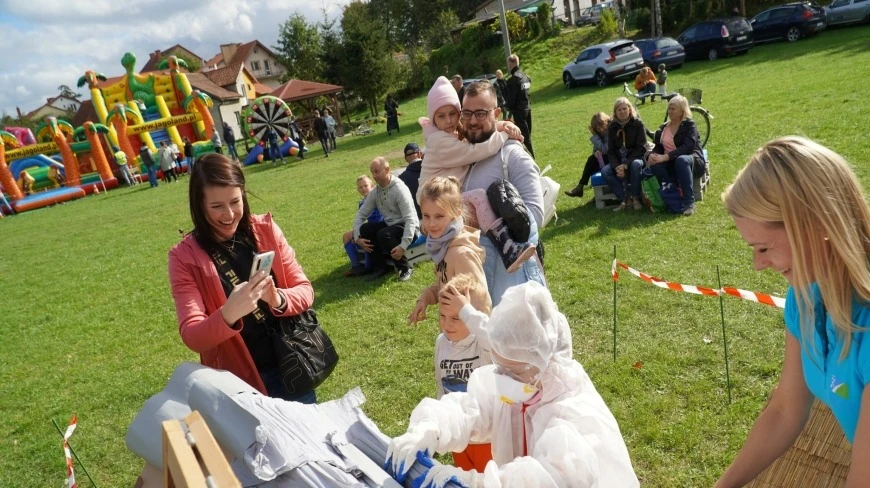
192, 457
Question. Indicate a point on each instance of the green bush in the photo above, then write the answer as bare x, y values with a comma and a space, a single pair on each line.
607, 29
533, 26
544, 15
516, 27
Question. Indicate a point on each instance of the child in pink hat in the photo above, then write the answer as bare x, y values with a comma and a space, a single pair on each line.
447, 153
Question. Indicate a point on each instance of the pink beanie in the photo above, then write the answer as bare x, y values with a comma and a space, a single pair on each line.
441, 94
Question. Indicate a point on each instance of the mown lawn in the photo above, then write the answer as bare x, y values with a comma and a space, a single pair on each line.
88, 324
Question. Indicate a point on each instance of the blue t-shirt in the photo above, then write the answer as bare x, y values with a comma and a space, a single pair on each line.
839, 384
375, 216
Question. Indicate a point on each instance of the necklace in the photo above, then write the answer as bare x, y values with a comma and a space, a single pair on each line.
230, 247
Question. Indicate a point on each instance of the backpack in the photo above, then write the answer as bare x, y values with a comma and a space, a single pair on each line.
549, 189
673, 197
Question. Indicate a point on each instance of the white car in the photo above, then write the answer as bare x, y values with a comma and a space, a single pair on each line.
603, 62
848, 11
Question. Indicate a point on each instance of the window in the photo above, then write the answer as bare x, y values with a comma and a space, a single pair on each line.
840, 3
762, 17
250, 88
689, 34
255, 66
266, 65
779, 14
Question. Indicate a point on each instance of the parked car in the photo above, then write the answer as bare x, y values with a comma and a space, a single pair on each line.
790, 21
719, 37
490, 77
592, 15
585, 18
661, 50
848, 11
603, 62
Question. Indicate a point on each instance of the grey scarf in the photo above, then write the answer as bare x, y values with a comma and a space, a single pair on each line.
437, 247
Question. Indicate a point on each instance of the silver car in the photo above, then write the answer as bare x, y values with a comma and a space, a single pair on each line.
848, 11
603, 62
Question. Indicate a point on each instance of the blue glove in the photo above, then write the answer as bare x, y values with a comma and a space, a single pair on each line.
404, 450
439, 475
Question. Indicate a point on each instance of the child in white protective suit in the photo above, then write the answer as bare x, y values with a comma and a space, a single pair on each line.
448, 153
548, 426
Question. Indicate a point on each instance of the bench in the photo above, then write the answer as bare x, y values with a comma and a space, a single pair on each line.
604, 198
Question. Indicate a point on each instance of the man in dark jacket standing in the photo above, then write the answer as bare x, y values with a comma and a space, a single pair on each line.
518, 102
456, 81
230, 142
322, 130
411, 175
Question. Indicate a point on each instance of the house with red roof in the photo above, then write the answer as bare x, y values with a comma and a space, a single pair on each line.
60, 105
176, 50
257, 58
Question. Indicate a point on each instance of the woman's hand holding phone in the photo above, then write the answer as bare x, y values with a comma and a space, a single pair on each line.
243, 299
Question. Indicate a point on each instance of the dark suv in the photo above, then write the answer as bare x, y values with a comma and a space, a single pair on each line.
714, 38
790, 21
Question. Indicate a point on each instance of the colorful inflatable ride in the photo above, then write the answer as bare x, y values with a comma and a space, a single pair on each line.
133, 109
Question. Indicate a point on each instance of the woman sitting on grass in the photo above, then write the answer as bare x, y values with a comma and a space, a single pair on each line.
223, 313
677, 156
801, 208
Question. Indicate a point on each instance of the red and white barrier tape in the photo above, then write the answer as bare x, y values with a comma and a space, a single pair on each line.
752, 296
71, 477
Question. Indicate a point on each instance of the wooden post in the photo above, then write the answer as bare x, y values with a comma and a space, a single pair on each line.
181, 468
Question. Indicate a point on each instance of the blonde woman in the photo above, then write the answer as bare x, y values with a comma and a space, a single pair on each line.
677, 156
626, 144
802, 210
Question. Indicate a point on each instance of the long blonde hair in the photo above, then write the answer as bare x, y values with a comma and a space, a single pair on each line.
813, 192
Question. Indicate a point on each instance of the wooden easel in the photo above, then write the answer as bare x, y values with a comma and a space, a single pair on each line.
192, 459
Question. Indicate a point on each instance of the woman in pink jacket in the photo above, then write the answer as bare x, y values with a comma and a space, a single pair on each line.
223, 313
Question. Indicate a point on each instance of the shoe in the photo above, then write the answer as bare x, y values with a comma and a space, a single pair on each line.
405, 274
513, 254
357, 270
637, 204
622, 206
377, 273
689, 210
577, 191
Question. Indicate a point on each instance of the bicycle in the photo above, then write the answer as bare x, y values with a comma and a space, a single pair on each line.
701, 116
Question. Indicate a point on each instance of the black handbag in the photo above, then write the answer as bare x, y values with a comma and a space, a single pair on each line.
306, 355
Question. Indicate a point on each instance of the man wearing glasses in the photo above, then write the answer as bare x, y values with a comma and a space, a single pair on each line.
479, 115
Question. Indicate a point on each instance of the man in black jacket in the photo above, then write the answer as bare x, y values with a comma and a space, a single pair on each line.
456, 81
322, 130
411, 175
518, 102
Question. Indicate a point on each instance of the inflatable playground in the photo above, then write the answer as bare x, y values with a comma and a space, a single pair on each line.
61, 163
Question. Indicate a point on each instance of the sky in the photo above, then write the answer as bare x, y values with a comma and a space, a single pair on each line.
48, 43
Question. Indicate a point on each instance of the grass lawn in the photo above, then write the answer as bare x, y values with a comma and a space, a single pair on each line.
88, 324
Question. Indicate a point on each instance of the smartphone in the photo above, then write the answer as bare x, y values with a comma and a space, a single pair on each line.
262, 261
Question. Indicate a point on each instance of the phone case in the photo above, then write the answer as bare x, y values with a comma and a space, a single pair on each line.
262, 261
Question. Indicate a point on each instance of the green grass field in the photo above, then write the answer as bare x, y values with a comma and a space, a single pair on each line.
88, 324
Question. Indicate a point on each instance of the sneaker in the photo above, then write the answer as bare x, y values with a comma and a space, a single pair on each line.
405, 274
637, 205
620, 208
377, 273
689, 210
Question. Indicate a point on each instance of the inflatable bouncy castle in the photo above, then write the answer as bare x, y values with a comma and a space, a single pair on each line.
61, 163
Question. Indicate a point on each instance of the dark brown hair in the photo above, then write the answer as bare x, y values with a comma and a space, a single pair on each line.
479, 88
216, 170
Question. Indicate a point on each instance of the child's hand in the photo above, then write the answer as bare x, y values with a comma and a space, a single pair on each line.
452, 301
419, 312
512, 130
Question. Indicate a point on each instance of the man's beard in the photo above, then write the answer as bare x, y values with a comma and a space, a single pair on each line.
483, 137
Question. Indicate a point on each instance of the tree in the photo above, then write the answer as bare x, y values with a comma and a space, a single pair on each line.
299, 49
331, 50
66, 91
437, 33
657, 18
368, 67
